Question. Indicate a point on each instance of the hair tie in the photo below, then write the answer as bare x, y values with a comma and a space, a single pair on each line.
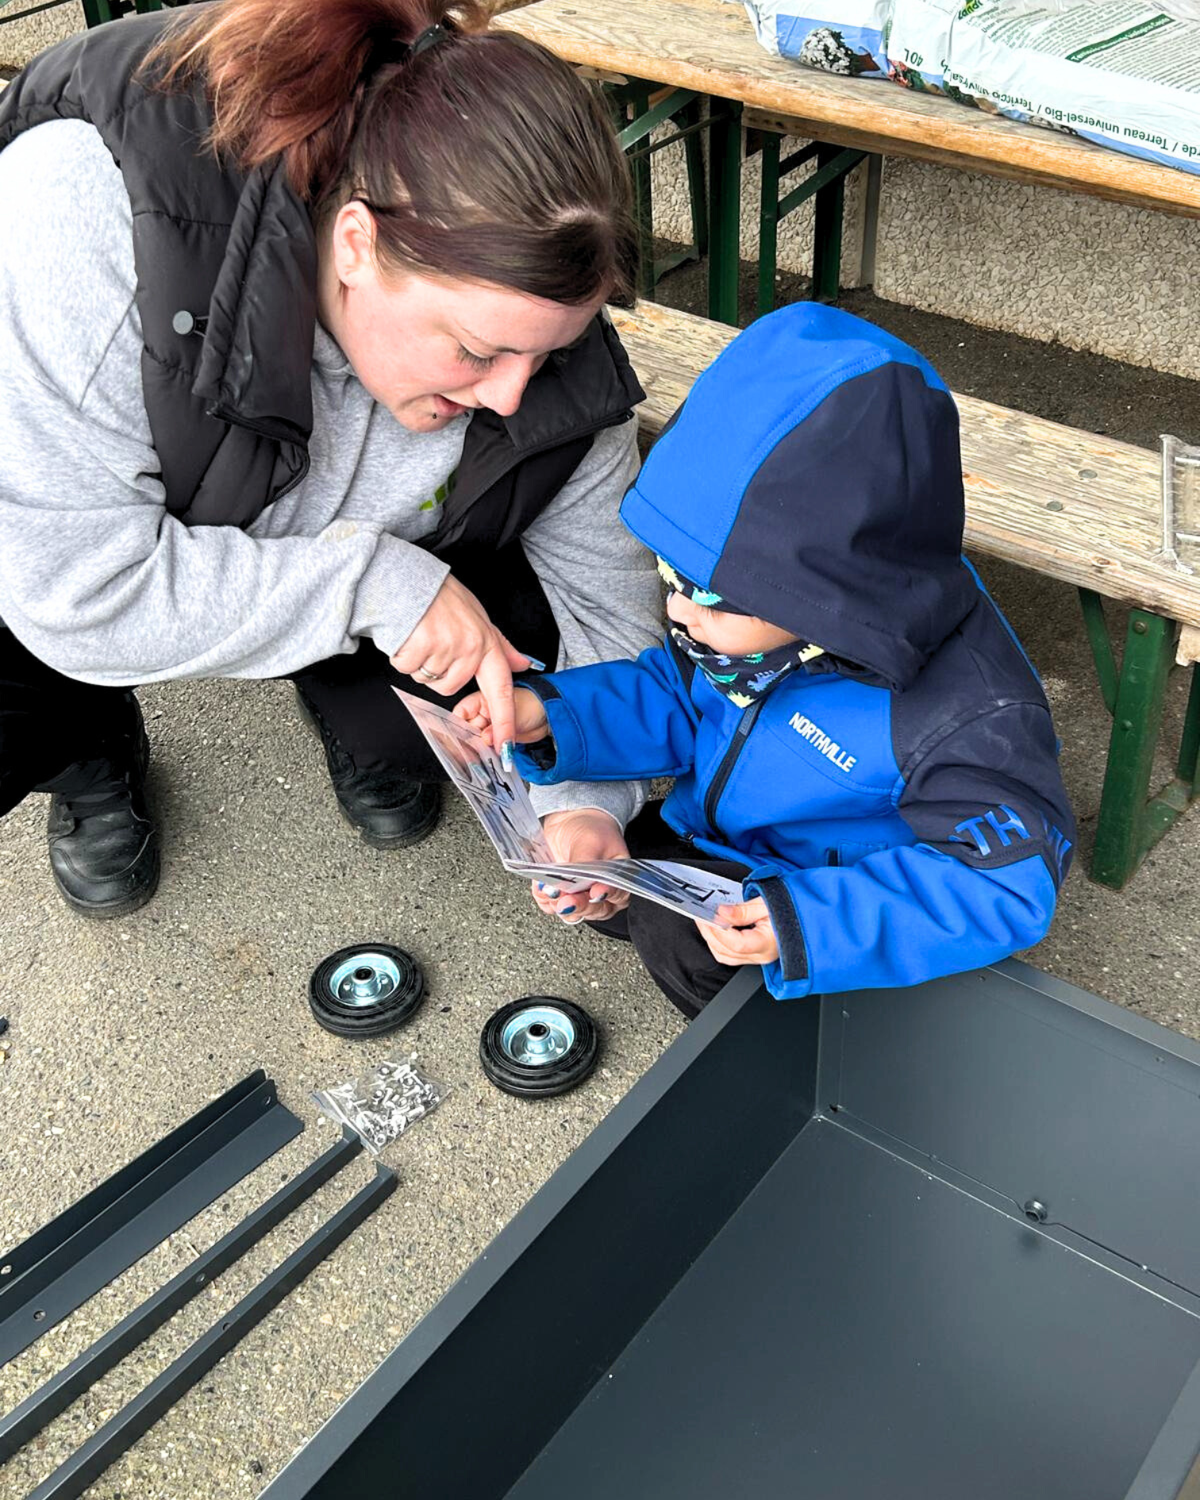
430, 37
389, 51
386, 52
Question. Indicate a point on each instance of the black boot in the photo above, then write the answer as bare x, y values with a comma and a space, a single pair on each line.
103, 846
389, 811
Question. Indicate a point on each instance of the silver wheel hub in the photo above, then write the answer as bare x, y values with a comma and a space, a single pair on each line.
365, 979
537, 1037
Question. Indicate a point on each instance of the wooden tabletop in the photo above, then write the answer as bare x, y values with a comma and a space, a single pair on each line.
710, 46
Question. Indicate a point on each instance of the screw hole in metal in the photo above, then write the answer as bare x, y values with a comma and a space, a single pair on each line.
1036, 1211
5, 1270
39, 1315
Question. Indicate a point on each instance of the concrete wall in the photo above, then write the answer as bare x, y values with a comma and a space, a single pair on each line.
1050, 265
672, 217
20, 40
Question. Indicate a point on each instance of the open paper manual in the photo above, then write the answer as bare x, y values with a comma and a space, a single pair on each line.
501, 803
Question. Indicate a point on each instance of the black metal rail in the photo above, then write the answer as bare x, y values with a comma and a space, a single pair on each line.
68, 1260
87, 1463
39, 1409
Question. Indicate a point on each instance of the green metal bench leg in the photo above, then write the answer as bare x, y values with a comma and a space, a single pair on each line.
1131, 822
693, 148
827, 231
682, 109
1101, 644
98, 12
643, 203
724, 214
827, 187
768, 223
1188, 768
690, 122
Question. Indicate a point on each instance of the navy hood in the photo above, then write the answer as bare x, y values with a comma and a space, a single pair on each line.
813, 478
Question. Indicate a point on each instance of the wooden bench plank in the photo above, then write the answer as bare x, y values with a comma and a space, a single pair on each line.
710, 46
1081, 508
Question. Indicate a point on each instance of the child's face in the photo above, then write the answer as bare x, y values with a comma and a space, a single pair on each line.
732, 635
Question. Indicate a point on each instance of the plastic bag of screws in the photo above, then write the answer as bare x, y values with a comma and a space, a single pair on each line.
383, 1103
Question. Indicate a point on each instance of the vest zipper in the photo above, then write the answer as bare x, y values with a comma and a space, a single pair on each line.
305, 465
717, 785
589, 429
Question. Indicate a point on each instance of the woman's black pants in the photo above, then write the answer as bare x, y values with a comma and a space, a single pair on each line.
49, 722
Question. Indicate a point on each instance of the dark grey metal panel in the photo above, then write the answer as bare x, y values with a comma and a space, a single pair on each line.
520, 1339
64, 1263
861, 1331
1039, 1092
1172, 1466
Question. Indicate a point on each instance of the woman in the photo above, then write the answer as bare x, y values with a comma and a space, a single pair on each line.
304, 373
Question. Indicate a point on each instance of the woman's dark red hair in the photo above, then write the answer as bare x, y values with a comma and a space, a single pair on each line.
483, 157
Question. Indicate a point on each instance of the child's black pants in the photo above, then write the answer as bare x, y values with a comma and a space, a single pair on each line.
670, 945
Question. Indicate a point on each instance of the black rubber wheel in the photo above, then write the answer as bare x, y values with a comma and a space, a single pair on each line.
538, 1046
365, 990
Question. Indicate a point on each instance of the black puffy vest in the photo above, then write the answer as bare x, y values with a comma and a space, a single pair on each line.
229, 401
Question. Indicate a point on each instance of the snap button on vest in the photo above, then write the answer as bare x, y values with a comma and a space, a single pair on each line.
184, 323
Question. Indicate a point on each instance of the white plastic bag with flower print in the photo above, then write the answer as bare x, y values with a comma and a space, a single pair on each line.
839, 36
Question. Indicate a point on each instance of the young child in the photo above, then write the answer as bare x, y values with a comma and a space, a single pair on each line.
852, 725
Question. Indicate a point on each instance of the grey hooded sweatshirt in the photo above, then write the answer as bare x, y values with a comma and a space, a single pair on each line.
102, 583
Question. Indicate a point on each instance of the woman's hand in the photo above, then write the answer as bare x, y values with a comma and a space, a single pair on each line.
529, 717
751, 938
454, 641
582, 835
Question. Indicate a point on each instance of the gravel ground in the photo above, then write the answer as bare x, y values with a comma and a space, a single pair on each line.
121, 1030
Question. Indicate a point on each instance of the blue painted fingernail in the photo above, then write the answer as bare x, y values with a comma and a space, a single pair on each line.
603, 896
565, 911
506, 755
535, 665
550, 890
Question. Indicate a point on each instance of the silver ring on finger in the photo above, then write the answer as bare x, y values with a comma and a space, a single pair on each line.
428, 676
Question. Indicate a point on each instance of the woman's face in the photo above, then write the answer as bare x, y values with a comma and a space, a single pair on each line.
429, 349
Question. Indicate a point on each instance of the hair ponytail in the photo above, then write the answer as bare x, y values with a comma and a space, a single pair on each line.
483, 157
285, 77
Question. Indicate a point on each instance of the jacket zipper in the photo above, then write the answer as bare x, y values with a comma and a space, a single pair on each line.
717, 785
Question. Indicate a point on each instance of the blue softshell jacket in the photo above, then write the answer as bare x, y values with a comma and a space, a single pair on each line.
899, 806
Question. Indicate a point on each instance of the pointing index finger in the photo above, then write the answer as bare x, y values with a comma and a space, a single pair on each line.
495, 682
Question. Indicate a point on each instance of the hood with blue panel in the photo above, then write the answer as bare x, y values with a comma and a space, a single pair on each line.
813, 478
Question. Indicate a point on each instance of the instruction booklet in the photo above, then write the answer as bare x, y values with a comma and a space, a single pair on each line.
501, 802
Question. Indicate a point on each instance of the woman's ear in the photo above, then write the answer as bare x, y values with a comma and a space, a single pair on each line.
353, 244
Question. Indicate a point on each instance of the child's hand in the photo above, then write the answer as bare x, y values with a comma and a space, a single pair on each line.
529, 717
751, 938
